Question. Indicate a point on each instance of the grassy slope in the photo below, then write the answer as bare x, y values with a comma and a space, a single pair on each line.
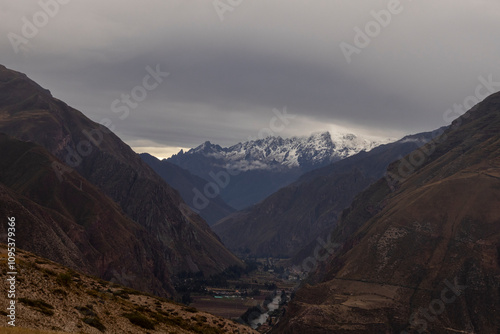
72, 300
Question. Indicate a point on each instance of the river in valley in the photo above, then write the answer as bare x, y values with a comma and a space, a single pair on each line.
274, 305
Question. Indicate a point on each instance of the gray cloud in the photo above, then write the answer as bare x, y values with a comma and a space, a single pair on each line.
226, 77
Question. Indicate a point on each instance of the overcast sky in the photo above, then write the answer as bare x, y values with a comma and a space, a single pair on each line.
230, 67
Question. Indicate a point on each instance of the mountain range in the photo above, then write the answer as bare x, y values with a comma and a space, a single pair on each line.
399, 237
294, 216
248, 172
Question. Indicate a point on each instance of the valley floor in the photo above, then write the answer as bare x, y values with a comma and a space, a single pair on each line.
248, 292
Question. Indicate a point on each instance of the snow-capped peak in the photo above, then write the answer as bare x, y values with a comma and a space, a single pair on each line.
309, 152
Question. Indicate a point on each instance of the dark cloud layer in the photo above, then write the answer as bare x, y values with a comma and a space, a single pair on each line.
227, 76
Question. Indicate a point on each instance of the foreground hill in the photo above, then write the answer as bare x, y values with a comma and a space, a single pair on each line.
263, 166
189, 186
52, 297
185, 242
421, 253
296, 215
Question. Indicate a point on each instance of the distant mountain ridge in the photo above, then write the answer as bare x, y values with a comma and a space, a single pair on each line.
266, 165
286, 221
277, 153
184, 181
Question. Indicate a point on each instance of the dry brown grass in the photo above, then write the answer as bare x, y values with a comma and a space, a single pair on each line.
21, 330
54, 299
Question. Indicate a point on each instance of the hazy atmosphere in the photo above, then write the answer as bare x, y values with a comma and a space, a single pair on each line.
273, 167
231, 63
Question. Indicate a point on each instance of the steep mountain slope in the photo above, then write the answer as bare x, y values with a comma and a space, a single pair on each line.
71, 222
51, 297
260, 167
296, 215
189, 187
29, 113
425, 257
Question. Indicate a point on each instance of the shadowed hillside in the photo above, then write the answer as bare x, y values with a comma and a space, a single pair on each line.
181, 240
187, 184
71, 222
421, 249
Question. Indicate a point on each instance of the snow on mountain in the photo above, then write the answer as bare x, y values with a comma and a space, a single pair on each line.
278, 153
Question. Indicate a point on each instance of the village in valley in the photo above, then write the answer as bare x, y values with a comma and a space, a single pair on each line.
256, 296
